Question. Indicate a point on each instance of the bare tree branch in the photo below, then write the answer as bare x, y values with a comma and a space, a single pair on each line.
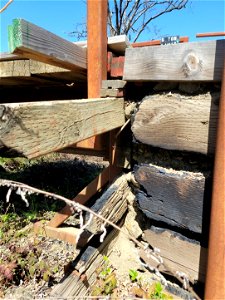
134, 16
4, 7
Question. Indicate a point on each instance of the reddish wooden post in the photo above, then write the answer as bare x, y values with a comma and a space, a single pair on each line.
97, 45
215, 277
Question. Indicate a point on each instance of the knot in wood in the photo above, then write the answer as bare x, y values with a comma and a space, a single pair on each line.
192, 65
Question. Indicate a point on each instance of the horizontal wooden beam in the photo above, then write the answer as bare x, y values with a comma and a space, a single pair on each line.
173, 197
210, 34
36, 128
31, 41
178, 122
28, 71
196, 61
179, 253
183, 39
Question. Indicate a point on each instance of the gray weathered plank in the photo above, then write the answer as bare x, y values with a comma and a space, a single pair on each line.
174, 197
37, 128
196, 61
178, 122
178, 252
31, 41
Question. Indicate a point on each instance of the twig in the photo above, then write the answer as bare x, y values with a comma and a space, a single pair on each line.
4, 7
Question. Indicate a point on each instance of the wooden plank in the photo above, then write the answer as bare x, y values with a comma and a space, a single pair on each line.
78, 283
31, 41
178, 252
183, 39
36, 128
28, 71
172, 121
210, 34
196, 61
174, 197
117, 44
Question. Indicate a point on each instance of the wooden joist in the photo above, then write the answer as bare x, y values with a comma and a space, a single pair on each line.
36, 128
196, 61
30, 41
174, 197
178, 252
177, 122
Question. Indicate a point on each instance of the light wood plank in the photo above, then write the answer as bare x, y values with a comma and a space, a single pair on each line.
116, 44
34, 129
31, 41
28, 71
178, 122
178, 252
196, 61
174, 197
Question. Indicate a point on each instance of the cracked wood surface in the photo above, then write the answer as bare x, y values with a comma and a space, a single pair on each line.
174, 197
196, 61
36, 128
178, 122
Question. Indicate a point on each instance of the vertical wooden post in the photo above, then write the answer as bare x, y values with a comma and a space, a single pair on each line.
97, 45
215, 277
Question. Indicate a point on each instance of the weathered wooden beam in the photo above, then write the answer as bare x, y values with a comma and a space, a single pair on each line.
174, 197
178, 252
31, 71
31, 41
172, 121
196, 61
78, 283
36, 128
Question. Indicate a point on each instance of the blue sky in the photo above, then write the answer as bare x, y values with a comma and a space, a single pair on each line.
61, 17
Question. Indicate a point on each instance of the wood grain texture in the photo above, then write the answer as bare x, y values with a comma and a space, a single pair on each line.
74, 286
178, 122
37, 128
31, 41
174, 197
28, 72
178, 252
196, 61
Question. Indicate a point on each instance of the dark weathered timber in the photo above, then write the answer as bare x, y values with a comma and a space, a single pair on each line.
78, 283
174, 197
111, 205
178, 122
178, 252
196, 61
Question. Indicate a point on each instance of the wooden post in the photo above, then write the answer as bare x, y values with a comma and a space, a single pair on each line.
97, 45
215, 278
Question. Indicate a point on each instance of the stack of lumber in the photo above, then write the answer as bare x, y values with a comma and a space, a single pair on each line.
179, 123
42, 66
39, 57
